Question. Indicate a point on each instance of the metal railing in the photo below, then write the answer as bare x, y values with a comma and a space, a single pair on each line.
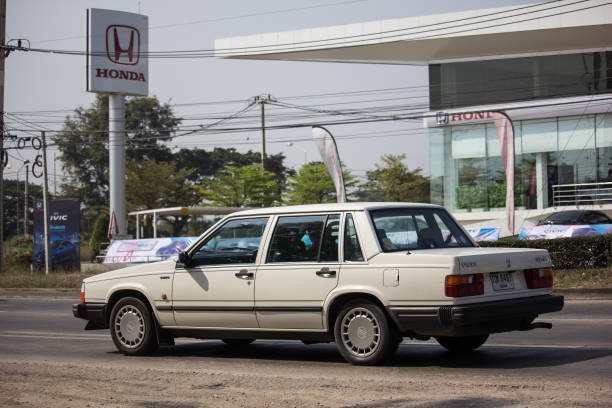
582, 194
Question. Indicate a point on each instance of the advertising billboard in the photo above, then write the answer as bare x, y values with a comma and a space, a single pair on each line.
564, 231
64, 219
117, 57
484, 234
146, 250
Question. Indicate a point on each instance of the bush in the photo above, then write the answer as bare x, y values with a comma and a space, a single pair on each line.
566, 253
471, 196
497, 194
17, 254
99, 233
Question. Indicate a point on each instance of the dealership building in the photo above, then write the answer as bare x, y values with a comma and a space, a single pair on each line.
548, 66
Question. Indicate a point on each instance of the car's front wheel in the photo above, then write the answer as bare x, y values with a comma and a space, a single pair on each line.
462, 344
132, 328
363, 333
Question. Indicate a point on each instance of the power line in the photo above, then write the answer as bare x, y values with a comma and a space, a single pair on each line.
214, 20
205, 53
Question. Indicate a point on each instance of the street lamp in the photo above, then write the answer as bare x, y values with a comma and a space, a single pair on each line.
290, 144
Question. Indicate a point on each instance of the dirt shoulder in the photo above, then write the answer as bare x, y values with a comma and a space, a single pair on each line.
53, 384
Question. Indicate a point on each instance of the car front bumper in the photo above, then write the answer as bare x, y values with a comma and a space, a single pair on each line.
95, 313
473, 318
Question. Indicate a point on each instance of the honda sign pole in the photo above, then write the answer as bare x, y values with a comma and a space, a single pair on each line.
117, 65
116, 154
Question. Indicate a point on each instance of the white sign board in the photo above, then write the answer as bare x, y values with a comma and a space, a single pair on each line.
118, 46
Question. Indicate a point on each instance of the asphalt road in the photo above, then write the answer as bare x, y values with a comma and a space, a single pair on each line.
570, 365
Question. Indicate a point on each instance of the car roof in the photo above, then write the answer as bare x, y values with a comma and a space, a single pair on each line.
566, 214
312, 208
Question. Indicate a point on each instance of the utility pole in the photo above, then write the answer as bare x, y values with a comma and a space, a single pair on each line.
46, 203
3, 55
54, 177
262, 100
26, 212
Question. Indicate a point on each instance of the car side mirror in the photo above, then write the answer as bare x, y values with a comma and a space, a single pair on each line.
185, 259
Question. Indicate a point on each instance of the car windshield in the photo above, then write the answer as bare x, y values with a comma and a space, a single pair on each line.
404, 229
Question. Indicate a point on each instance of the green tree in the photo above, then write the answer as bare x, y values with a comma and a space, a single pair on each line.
14, 206
83, 143
99, 234
208, 163
246, 186
156, 185
312, 185
393, 181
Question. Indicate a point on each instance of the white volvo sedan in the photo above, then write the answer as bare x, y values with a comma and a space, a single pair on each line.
364, 275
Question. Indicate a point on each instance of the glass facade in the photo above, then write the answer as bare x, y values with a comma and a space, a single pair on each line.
467, 173
476, 83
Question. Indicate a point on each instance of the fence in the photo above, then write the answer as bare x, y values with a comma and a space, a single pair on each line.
582, 194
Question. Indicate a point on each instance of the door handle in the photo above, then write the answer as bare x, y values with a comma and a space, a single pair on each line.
326, 273
244, 274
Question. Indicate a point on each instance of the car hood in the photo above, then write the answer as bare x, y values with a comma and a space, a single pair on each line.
143, 269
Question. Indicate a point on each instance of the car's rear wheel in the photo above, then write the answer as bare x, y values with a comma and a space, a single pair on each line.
238, 342
132, 328
363, 333
462, 344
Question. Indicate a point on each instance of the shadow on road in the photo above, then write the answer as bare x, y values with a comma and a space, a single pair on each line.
452, 403
408, 355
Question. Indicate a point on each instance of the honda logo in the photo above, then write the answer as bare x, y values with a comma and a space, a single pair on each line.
123, 44
442, 118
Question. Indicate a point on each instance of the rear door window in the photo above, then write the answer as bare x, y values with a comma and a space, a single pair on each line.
305, 238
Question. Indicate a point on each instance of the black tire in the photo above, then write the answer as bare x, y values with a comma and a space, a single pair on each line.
238, 342
363, 334
462, 344
132, 327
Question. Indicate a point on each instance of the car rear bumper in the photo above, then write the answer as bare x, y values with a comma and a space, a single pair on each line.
95, 313
474, 318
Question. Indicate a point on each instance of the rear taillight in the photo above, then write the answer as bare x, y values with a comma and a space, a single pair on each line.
82, 293
464, 285
538, 278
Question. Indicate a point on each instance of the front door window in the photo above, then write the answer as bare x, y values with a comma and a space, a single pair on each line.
236, 242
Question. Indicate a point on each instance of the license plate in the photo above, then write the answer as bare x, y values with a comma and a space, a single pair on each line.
502, 280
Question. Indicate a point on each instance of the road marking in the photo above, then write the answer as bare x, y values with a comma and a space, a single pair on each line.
53, 335
50, 333
25, 336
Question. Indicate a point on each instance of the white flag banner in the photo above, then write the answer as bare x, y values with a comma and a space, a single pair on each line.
329, 152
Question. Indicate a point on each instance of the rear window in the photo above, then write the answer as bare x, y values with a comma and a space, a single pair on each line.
415, 228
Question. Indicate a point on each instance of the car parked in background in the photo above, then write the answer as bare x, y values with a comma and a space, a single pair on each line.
576, 217
364, 275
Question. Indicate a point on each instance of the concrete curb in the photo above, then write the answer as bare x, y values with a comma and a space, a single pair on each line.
68, 293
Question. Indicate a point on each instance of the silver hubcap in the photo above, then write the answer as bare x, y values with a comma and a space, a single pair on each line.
129, 326
360, 332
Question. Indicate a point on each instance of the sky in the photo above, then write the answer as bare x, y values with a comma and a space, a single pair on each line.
205, 89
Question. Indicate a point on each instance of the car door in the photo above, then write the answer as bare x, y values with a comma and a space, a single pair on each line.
300, 270
217, 289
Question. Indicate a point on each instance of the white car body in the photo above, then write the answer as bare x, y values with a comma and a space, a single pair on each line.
293, 299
